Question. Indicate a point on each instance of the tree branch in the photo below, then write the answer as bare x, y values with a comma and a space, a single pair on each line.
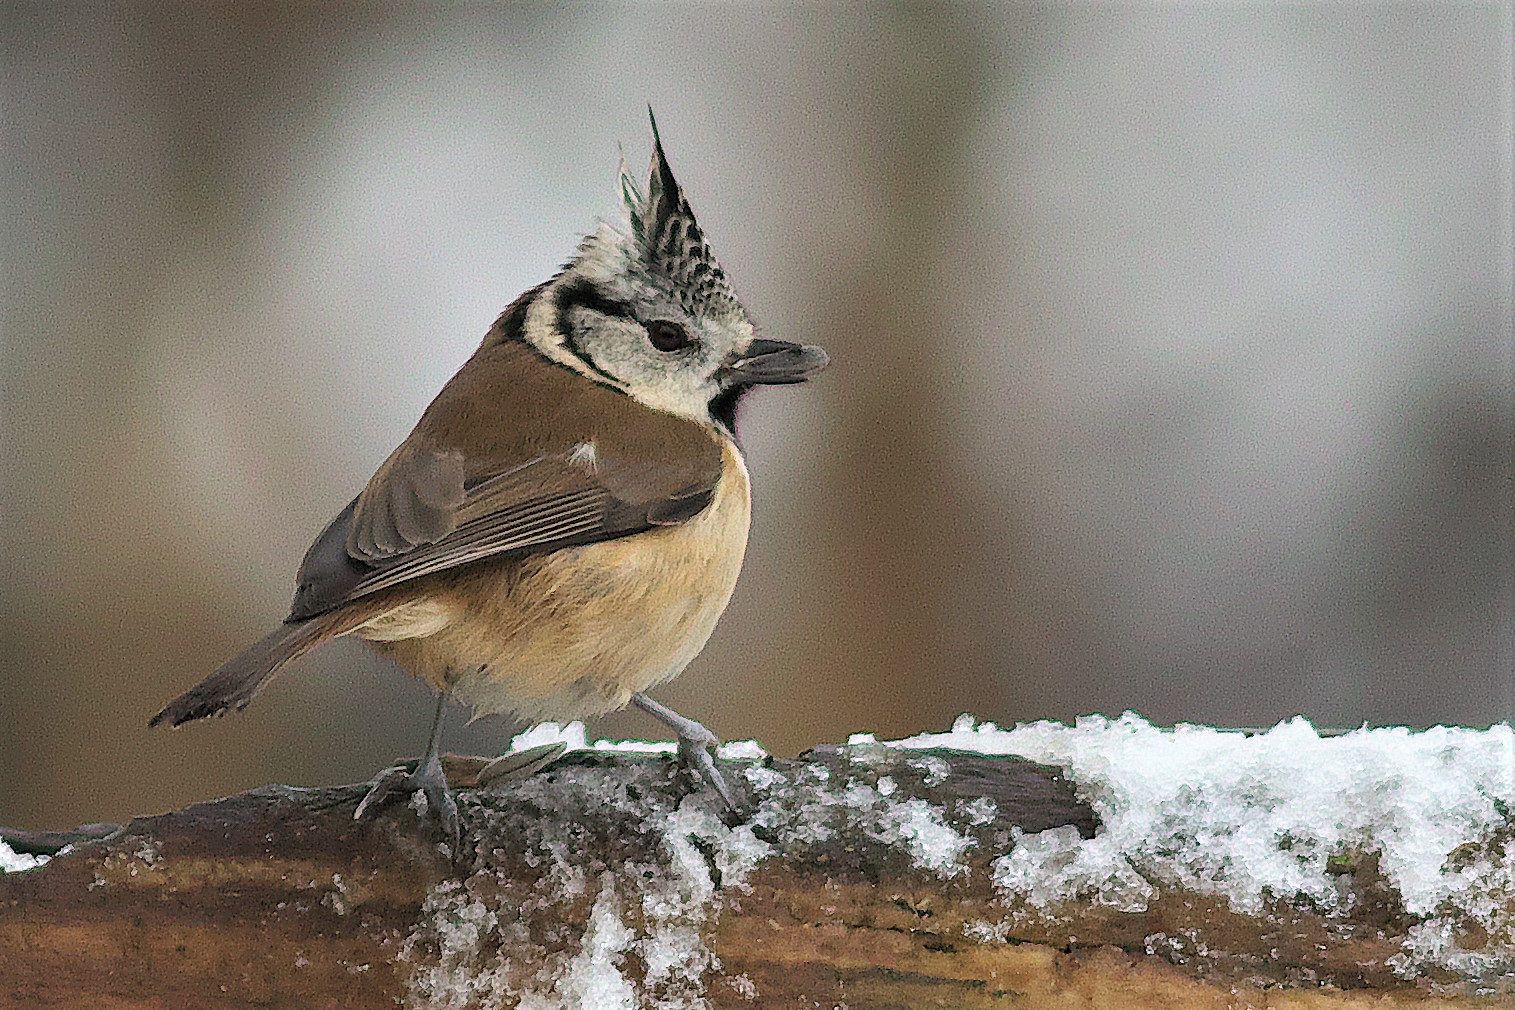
867, 878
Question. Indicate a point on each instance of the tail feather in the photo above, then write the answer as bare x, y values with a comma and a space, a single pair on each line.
240, 680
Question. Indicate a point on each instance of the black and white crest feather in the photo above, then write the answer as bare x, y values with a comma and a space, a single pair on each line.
670, 242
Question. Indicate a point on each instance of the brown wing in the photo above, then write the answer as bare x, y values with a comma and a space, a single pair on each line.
516, 456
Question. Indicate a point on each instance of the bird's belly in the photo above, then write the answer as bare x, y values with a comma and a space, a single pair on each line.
576, 632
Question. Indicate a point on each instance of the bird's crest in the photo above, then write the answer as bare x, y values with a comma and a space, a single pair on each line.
669, 242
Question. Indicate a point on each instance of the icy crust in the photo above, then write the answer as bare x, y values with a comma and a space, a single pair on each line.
12, 861
1270, 817
645, 869
636, 862
575, 738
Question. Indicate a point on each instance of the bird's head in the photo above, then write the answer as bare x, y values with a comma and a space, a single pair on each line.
648, 311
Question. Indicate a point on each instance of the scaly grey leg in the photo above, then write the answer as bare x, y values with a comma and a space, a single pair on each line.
696, 746
428, 779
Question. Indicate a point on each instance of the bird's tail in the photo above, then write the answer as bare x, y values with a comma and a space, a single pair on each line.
239, 681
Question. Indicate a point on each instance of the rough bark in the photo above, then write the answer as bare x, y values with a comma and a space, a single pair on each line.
603, 883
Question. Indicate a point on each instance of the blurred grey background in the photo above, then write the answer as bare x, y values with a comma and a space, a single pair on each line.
1173, 354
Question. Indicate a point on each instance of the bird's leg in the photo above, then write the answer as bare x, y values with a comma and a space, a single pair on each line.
696, 747
428, 779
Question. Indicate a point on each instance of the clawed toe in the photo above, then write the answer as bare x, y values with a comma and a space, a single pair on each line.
387, 787
440, 802
699, 756
399, 783
697, 749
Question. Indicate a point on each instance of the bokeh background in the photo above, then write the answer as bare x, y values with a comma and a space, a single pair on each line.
1173, 354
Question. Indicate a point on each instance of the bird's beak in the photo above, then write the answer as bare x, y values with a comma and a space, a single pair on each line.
773, 363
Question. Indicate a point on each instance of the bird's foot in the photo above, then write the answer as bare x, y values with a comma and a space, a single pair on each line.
428, 779
697, 751
518, 765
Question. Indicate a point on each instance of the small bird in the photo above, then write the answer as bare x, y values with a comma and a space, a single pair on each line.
565, 524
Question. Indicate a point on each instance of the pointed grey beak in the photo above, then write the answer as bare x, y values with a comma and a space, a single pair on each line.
774, 363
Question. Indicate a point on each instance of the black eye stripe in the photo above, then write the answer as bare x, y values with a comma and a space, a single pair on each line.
664, 334
584, 295
667, 335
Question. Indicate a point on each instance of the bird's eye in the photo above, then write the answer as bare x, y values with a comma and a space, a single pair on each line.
667, 335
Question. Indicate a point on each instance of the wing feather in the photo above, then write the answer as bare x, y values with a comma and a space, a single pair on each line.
540, 522
515, 456
542, 505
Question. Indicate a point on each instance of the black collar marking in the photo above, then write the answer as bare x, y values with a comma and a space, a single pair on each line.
583, 294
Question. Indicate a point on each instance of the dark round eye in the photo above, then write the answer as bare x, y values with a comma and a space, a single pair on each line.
667, 335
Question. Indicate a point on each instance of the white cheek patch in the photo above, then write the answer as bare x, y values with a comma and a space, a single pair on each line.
541, 333
682, 396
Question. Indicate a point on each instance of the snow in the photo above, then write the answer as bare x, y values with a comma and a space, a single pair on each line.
594, 977
12, 861
643, 862
575, 737
572, 734
651, 868
1253, 820
1259, 818
741, 750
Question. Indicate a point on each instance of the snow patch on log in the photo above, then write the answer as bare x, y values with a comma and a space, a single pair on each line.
1270, 817
655, 870
651, 907
12, 861
574, 737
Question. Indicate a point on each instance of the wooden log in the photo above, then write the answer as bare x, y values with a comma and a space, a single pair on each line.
864, 880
